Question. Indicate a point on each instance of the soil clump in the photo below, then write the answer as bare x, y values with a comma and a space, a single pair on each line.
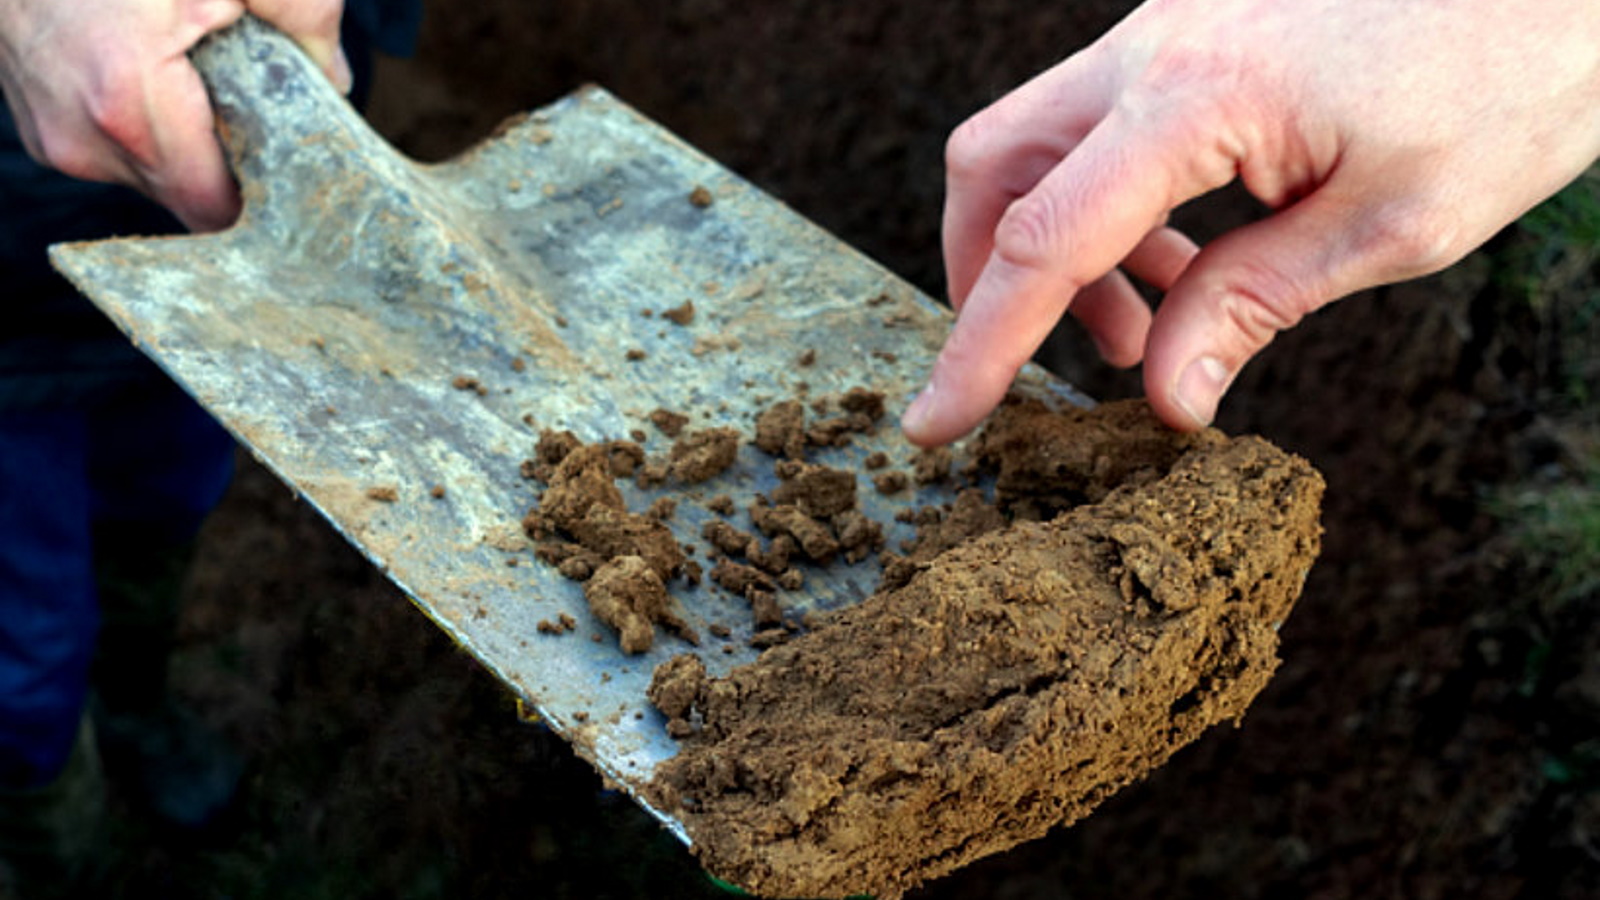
1013, 672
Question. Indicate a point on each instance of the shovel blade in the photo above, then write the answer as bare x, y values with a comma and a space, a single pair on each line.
390, 338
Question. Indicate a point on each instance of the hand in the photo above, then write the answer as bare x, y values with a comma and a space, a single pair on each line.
103, 90
1390, 139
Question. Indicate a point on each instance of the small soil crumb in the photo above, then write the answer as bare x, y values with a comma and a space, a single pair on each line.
626, 458
780, 429
722, 505
1009, 683
702, 455
683, 314
858, 535
668, 422
891, 482
383, 493
764, 609
468, 383
875, 460
583, 502
861, 400
634, 354
835, 431
720, 630
726, 538
815, 538
741, 579
627, 594
819, 491
932, 465
553, 446
662, 508
701, 196
518, 364
437, 492
808, 357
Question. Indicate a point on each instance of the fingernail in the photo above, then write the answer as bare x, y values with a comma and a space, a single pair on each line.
343, 79
1200, 389
919, 413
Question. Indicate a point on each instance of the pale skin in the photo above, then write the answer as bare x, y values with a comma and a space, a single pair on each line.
103, 90
1389, 137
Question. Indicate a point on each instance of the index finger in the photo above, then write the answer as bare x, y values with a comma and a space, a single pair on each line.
1074, 227
1002, 153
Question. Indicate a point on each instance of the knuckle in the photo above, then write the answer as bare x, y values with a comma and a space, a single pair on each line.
1263, 302
1029, 233
965, 153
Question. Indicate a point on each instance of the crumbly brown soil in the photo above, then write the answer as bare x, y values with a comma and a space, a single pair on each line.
1014, 681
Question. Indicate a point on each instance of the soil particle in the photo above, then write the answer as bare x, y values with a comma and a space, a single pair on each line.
858, 535
583, 502
835, 431
1013, 681
726, 538
875, 460
683, 314
891, 482
701, 196
553, 446
780, 429
384, 493
815, 538
627, 594
932, 465
668, 422
861, 400
701, 455
740, 579
722, 505
662, 509
819, 491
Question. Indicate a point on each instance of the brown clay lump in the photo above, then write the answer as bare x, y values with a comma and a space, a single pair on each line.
584, 503
627, 594
860, 400
1012, 682
931, 465
682, 314
819, 491
780, 429
668, 422
701, 455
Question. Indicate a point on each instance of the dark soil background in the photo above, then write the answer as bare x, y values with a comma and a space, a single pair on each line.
1425, 736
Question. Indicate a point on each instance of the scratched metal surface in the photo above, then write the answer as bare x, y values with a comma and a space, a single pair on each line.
328, 329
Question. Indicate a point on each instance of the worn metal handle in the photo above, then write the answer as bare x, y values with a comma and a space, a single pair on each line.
284, 125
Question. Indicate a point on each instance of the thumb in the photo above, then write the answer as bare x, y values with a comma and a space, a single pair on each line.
1263, 278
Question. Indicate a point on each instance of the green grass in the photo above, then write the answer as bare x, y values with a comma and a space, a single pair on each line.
1552, 264
1556, 528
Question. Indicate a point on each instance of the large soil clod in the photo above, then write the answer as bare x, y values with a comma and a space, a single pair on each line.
1012, 682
